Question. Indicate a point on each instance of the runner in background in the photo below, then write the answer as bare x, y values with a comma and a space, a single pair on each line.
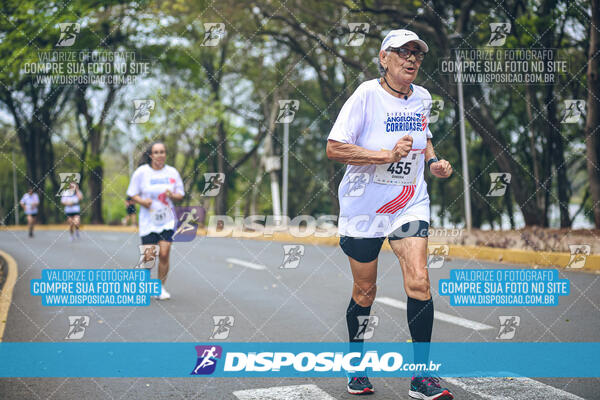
154, 186
71, 202
29, 202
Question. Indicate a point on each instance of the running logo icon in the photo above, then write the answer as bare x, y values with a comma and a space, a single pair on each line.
437, 256
207, 359
500, 181
366, 326
67, 179
287, 111
500, 31
77, 325
508, 326
187, 223
579, 253
574, 110
141, 110
148, 256
292, 254
358, 30
68, 34
357, 184
213, 32
213, 183
433, 108
223, 324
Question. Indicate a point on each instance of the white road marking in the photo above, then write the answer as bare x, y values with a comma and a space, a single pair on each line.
110, 237
477, 326
511, 389
246, 264
297, 392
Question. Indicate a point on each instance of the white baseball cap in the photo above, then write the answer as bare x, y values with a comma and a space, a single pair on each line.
399, 37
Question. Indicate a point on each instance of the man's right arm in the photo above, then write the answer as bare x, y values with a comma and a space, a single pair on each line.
352, 154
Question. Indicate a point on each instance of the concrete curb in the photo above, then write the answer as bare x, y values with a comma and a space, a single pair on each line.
7, 289
532, 258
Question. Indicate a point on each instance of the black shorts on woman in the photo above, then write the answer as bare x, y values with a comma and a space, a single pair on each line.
155, 237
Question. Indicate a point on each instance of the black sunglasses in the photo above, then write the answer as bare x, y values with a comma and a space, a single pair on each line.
406, 53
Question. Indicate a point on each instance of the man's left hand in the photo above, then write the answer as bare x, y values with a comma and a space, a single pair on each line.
441, 169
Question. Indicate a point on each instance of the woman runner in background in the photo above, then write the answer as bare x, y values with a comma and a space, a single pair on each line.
154, 186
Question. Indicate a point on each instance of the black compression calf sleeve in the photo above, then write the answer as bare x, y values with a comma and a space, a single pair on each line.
352, 313
356, 330
420, 324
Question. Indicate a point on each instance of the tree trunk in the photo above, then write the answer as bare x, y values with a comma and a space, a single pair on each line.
222, 166
593, 112
484, 124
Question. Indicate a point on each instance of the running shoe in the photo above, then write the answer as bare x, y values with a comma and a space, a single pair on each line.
360, 385
428, 388
164, 295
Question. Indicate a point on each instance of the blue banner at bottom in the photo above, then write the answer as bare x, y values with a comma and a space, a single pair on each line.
297, 359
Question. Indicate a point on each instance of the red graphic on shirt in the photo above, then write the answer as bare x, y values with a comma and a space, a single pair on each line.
163, 198
171, 180
424, 121
391, 207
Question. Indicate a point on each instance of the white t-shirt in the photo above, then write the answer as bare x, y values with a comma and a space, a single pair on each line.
72, 208
149, 183
31, 202
377, 199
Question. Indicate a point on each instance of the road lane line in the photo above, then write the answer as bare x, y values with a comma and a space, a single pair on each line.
296, 392
246, 264
511, 389
476, 326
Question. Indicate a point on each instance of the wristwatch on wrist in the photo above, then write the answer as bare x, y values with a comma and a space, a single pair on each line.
431, 161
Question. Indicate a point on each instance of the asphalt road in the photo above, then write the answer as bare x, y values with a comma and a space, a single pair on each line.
241, 278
